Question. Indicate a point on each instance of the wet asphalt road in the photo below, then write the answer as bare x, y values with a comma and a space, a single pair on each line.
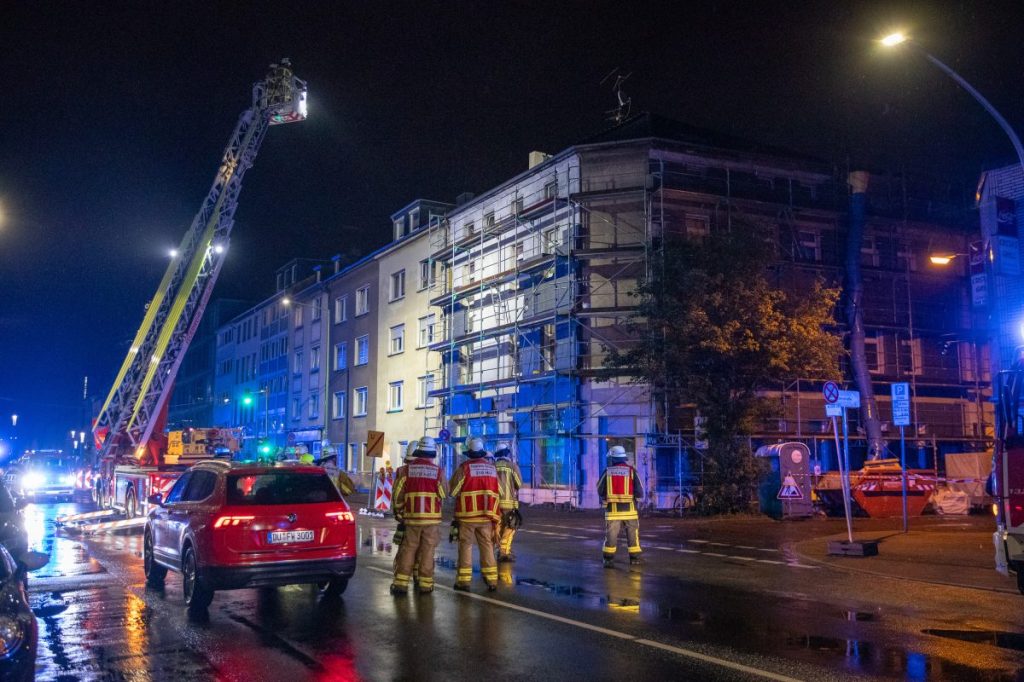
722, 609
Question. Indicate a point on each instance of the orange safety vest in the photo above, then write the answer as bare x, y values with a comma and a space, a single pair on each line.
478, 496
620, 483
421, 489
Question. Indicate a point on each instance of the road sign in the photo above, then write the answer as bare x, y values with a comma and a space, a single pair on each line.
831, 391
444, 434
374, 443
848, 399
901, 404
833, 410
790, 490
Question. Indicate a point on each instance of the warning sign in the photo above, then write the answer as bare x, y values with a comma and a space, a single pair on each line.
374, 443
790, 490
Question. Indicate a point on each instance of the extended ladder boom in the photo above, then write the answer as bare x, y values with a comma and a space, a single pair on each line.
129, 414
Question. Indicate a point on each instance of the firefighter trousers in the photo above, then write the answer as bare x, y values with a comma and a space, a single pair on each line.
505, 537
481, 535
416, 551
611, 541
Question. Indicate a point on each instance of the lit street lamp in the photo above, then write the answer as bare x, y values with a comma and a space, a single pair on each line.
896, 39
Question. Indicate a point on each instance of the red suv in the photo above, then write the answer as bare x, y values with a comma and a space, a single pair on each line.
228, 525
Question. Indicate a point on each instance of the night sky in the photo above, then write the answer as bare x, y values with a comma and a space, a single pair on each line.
114, 117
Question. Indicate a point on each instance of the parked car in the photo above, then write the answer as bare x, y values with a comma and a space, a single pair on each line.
13, 535
19, 634
229, 525
43, 475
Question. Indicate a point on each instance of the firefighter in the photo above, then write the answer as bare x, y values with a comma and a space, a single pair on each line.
474, 486
419, 492
510, 480
619, 488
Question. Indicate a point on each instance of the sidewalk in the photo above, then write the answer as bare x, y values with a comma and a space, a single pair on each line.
954, 551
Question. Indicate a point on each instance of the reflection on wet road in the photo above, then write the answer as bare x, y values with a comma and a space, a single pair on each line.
557, 615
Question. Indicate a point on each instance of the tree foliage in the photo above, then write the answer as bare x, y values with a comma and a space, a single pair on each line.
712, 331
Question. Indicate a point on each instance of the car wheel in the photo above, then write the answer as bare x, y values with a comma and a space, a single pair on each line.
332, 588
129, 504
155, 573
197, 595
1020, 577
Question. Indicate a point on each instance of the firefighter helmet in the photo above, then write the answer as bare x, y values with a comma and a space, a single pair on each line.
617, 452
425, 447
410, 450
503, 451
475, 448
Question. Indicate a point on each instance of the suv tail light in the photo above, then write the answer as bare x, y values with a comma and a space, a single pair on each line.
340, 516
231, 521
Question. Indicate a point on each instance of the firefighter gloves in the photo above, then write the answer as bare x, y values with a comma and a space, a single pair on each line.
399, 535
453, 533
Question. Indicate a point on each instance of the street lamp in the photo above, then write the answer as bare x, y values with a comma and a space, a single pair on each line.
896, 39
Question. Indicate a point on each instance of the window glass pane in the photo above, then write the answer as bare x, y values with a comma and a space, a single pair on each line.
200, 487
179, 487
281, 488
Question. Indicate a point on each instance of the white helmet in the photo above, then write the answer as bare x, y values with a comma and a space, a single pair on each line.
475, 448
410, 450
425, 447
617, 452
503, 450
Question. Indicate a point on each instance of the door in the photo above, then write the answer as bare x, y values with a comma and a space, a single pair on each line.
161, 518
199, 487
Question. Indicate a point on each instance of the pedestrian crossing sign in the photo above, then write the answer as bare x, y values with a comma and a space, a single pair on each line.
790, 490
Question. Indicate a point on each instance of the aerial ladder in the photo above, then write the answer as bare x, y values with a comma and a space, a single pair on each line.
129, 428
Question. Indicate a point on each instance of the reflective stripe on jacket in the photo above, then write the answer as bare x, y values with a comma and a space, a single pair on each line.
419, 491
474, 486
618, 488
509, 483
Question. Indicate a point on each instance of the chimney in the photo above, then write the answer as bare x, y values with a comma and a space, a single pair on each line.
336, 259
537, 158
316, 269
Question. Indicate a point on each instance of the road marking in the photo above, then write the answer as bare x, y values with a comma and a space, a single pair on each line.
698, 542
714, 554
688, 653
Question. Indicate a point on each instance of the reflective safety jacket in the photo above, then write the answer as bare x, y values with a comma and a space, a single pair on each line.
474, 486
619, 488
419, 491
510, 480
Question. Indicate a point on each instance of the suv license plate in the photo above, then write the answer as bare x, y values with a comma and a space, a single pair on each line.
283, 536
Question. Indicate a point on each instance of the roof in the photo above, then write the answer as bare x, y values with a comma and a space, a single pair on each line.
646, 125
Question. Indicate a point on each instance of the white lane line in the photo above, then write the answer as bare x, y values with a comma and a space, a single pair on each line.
770, 561
745, 547
719, 544
688, 551
698, 542
688, 653
767, 549
714, 554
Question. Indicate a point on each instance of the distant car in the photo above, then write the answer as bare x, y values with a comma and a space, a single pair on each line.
43, 477
229, 525
19, 634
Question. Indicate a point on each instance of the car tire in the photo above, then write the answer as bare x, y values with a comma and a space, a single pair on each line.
1020, 577
332, 588
155, 573
197, 595
130, 506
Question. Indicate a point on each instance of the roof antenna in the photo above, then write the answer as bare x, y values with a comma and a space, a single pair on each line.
621, 112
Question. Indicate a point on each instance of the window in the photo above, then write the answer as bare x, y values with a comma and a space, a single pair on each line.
397, 340
297, 318
359, 408
471, 271
489, 219
362, 300
314, 405
697, 226
468, 229
314, 359
399, 227
808, 246
340, 309
395, 396
316, 309
910, 357
551, 189
869, 253
874, 349
363, 350
200, 487
397, 285
428, 274
338, 405
179, 488
427, 325
426, 386
340, 355
518, 206
906, 259
296, 408
281, 487
297, 368
414, 219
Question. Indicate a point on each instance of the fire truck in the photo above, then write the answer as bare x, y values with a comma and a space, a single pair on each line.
135, 458
1007, 480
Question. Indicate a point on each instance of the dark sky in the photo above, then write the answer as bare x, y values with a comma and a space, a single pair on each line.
113, 117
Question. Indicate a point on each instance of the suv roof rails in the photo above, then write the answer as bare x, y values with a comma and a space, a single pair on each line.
219, 462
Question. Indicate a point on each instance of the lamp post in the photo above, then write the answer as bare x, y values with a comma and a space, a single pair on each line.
897, 39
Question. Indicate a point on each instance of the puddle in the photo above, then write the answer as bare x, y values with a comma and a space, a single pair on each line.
566, 590
861, 616
1003, 640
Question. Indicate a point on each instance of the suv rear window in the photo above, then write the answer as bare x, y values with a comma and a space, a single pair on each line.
281, 488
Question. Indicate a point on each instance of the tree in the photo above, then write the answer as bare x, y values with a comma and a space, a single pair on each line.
711, 331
